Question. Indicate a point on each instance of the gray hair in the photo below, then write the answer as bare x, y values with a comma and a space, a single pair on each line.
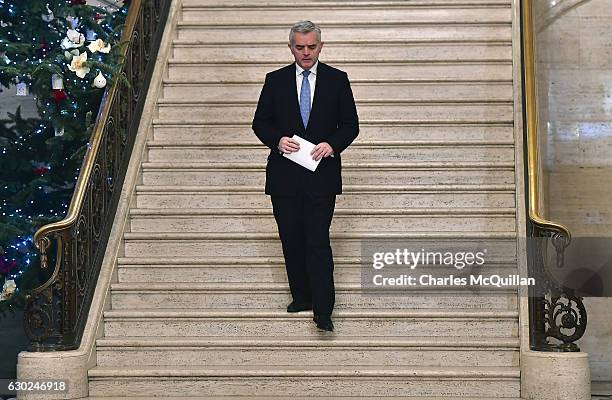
304, 27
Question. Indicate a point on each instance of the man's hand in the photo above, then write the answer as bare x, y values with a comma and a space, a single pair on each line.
321, 150
288, 145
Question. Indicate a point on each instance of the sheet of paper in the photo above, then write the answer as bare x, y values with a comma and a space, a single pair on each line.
302, 156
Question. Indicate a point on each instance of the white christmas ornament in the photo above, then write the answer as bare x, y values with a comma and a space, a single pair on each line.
4, 57
75, 36
48, 17
22, 89
57, 82
8, 289
99, 45
99, 81
78, 65
73, 39
59, 131
74, 22
91, 35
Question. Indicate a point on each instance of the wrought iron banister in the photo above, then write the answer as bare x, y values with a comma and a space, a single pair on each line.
56, 312
554, 310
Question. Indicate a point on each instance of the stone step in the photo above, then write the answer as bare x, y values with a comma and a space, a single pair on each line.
277, 34
181, 131
287, 14
460, 111
344, 244
274, 296
244, 174
368, 69
244, 197
363, 91
238, 4
251, 270
295, 398
268, 323
255, 351
385, 152
221, 270
345, 220
345, 51
334, 381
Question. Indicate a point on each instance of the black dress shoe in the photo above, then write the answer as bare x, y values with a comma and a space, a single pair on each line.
297, 307
324, 322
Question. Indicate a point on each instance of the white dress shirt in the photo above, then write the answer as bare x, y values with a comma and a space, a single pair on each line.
312, 79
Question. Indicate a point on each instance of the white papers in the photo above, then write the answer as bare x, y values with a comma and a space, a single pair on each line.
302, 156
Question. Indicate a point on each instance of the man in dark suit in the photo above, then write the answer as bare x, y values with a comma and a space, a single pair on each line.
314, 101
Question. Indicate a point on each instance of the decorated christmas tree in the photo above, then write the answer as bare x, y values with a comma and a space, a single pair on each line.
62, 53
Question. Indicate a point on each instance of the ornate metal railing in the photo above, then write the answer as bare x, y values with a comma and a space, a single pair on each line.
555, 311
56, 312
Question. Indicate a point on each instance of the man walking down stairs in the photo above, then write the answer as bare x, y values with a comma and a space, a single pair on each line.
199, 306
303, 200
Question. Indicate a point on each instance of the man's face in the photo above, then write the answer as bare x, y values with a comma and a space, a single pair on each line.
305, 49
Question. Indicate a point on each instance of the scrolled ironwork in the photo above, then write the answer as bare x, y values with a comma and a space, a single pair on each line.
555, 311
564, 311
56, 312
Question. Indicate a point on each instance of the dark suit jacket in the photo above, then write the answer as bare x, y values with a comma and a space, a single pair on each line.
333, 119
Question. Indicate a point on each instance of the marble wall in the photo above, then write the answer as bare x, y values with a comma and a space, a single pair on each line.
574, 64
9, 102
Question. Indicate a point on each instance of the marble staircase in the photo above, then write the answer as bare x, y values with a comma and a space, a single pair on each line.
197, 311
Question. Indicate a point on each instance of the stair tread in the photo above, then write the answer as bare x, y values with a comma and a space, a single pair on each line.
295, 398
283, 370
192, 24
198, 102
305, 341
346, 165
372, 313
354, 82
360, 41
374, 122
379, 61
345, 188
231, 262
227, 260
413, 3
420, 211
382, 122
334, 235
256, 286
357, 144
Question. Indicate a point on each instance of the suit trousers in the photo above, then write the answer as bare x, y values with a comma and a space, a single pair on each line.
303, 226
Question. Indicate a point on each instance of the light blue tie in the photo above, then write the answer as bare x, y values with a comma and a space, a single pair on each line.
305, 98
